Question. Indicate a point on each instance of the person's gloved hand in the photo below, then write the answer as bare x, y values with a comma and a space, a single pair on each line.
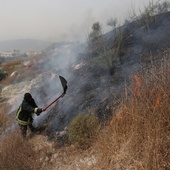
39, 110
31, 119
43, 109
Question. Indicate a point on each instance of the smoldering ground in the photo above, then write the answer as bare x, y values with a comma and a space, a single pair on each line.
91, 87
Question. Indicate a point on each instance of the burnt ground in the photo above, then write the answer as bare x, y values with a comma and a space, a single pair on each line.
92, 87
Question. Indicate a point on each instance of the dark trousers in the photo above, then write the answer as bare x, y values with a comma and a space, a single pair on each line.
23, 129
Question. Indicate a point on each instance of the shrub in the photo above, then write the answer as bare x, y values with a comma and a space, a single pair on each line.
3, 74
83, 129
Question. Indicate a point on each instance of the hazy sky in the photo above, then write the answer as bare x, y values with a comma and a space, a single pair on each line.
55, 20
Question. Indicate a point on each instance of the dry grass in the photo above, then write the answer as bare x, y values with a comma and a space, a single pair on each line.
22, 72
4, 118
17, 154
138, 136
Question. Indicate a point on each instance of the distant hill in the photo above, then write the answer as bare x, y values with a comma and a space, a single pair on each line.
24, 45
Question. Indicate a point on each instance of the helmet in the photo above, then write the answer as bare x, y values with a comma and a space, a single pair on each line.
29, 99
27, 96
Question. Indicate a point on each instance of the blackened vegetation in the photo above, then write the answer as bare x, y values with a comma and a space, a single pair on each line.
94, 86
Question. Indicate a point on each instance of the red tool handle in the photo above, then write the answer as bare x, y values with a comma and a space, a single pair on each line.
45, 108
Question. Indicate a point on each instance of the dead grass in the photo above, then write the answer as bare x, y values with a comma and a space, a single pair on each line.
136, 138
22, 72
138, 135
10, 67
17, 153
4, 118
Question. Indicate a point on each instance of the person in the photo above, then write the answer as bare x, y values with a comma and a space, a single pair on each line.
24, 114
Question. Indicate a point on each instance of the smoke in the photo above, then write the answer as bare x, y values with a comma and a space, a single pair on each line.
93, 88
59, 60
88, 88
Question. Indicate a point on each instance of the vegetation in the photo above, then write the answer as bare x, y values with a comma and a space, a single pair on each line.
151, 11
104, 60
119, 44
138, 135
3, 74
96, 33
108, 58
113, 23
4, 118
150, 15
83, 129
17, 153
103, 57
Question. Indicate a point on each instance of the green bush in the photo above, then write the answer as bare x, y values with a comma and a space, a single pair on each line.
83, 129
3, 74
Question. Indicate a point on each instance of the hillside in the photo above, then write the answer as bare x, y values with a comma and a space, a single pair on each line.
24, 45
122, 77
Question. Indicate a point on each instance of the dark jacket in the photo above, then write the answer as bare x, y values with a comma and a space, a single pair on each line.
25, 111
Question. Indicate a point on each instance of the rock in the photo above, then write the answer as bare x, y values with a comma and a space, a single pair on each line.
15, 73
62, 137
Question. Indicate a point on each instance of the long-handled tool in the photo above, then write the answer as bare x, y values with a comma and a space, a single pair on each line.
64, 85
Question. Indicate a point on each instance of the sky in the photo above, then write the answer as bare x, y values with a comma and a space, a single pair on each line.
58, 20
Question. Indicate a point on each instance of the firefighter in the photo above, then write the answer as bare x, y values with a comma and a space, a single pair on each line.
24, 114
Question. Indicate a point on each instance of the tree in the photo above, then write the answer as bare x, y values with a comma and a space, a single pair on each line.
112, 22
96, 32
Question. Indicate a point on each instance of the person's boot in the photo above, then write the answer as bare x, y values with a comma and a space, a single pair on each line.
23, 129
32, 128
